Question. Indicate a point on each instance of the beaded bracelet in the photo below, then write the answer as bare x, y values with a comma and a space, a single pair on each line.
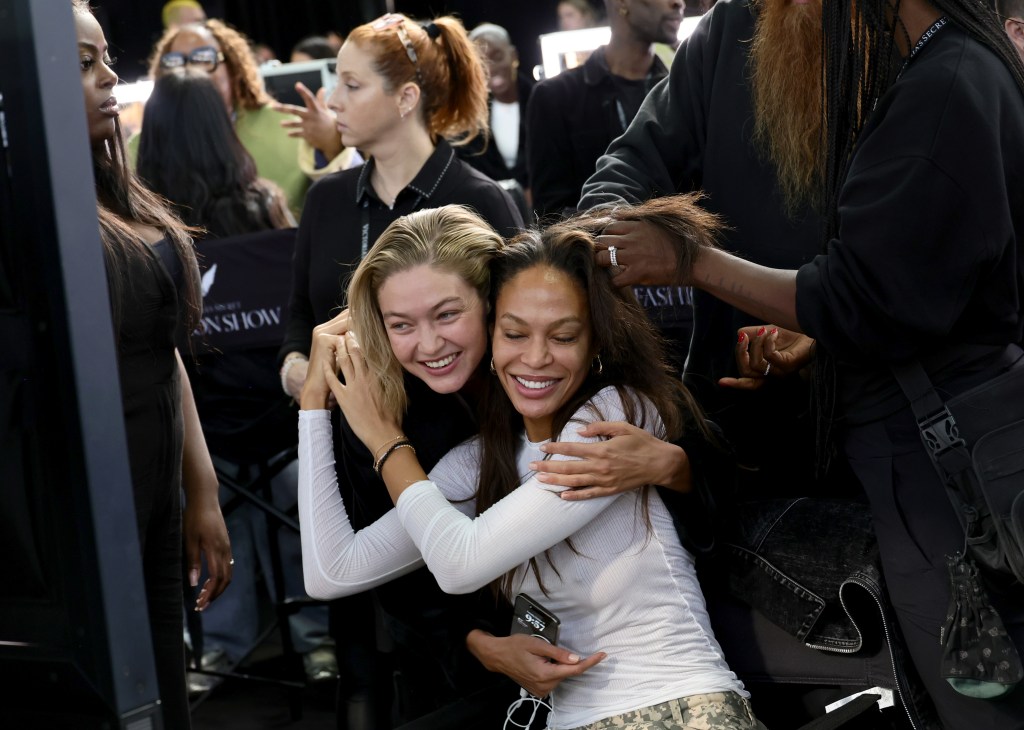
392, 449
380, 448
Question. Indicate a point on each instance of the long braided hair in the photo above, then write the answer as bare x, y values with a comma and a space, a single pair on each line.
861, 63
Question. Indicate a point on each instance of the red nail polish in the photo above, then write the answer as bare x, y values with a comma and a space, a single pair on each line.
760, 332
743, 336
775, 330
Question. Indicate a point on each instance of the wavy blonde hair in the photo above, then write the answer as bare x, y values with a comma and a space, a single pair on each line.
247, 89
452, 239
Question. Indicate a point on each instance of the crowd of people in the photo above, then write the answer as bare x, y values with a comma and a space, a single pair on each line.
545, 338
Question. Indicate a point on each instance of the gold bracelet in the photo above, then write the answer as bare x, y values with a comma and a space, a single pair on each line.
387, 454
380, 448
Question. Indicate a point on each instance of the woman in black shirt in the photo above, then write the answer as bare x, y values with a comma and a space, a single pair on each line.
403, 90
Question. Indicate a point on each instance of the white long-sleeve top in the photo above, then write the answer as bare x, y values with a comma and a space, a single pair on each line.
624, 588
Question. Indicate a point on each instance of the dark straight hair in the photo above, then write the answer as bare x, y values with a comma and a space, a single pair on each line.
122, 199
190, 154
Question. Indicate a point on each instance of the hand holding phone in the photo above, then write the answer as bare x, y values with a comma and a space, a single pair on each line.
531, 618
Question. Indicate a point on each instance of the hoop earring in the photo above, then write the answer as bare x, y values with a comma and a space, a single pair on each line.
493, 371
596, 365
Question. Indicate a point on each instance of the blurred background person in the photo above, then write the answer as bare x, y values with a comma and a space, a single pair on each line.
312, 48
177, 13
263, 53
224, 54
501, 153
576, 15
189, 153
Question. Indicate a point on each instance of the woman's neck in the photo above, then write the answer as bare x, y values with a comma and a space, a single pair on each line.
397, 163
916, 16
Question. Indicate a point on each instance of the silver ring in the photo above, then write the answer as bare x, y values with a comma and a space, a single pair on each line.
613, 254
767, 369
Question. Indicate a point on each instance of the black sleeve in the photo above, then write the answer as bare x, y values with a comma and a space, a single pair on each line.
301, 320
492, 202
701, 515
549, 157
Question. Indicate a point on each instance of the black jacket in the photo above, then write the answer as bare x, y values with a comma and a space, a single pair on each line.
571, 120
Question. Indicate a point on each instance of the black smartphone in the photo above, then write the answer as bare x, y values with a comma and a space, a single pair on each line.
529, 617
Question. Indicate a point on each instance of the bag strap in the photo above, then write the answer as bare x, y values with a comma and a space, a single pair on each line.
939, 430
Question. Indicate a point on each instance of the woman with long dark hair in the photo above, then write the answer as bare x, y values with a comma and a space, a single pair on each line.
189, 153
924, 107
166, 449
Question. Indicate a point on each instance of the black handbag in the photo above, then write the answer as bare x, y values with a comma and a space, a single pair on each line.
976, 444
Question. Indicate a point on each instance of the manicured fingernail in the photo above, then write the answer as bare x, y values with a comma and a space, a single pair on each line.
775, 330
193, 577
743, 336
760, 332
534, 465
573, 658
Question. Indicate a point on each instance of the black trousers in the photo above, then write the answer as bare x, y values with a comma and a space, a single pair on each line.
917, 528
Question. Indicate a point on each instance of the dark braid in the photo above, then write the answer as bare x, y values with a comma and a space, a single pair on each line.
861, 64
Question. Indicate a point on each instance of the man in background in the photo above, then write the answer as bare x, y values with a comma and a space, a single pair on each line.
1012, 14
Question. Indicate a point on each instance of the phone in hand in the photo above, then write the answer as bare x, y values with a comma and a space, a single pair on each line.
531, 618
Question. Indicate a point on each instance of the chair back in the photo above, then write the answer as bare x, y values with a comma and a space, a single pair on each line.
246, 282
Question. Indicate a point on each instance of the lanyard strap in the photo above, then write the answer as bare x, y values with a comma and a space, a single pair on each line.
364, 238
364, 244
923, 41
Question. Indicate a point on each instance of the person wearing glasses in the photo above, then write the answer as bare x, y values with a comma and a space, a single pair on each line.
404, 90
1011, 12
224, 54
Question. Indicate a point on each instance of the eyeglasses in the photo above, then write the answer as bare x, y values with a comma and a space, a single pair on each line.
204, 57
393, 20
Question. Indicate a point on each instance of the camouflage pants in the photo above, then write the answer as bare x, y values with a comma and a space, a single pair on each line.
717, 711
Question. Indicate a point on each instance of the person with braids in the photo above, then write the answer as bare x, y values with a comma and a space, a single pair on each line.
154, 286
568, 349
223, 53
924, 105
